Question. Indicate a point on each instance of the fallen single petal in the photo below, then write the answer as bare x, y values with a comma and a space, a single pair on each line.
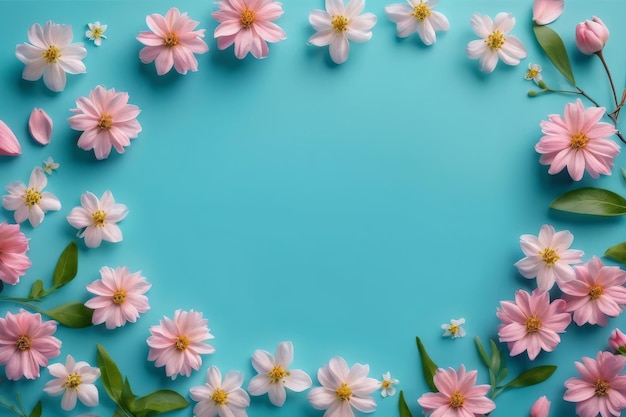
40, 126
9, 145
547, 11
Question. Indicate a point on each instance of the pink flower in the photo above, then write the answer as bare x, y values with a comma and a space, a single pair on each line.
13, 259
9, 145
418, 16
541, 407
172, 42
75, 380
617, 341
248, 24
40, 126
119, 297
596, 293
601, 390
106, 120
532, 323
591, 36
547, 11
577, 141
30, 202
220, 397
178, 343
26, 343
458, 395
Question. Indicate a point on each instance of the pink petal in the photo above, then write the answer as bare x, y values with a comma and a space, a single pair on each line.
9, 145
40, 126
547, 11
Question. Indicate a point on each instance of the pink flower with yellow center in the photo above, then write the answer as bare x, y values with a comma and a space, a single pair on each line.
30, 202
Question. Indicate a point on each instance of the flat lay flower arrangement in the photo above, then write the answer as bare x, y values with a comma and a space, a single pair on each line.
582, 139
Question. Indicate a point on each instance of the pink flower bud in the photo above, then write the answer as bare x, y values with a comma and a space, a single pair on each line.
540, 408
40, 126
8, 142
547, 11
617, 340
591, 36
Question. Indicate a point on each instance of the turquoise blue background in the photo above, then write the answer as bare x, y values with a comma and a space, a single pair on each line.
345, 208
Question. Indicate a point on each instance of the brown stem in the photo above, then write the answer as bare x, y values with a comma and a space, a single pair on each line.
608, 73
582, 93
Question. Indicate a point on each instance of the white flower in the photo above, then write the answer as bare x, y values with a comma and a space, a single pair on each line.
387, 385
274, 376
454, 329
75, 381
494, 43
98, 218
548, 257
338, 25
49, 165
226, 398
96, 33
343, 388
533, 73
418, 16
30, 202
51, 54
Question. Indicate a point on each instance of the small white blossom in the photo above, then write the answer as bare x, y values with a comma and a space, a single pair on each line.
96, 33
387, 385
533, 73
30, 202
75, 381
418, 16
97, 219
220, 397
49, 165
454, 329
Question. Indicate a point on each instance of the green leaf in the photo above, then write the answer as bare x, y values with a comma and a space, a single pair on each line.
623, 173
36, 290
594, 201
617, 252
482, 352
429, 368
403, 407
67, 266
621, 350
553, 46
159, 402
532, 376
36, 410
109, 375
128, 397
74, 315
120, 413
495, 358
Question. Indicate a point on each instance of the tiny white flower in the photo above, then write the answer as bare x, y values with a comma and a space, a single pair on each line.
454, 329
30, 202
387, 385
418, 16
224, 398
49, 165
97, 219
75, 381
96, 33
533, 73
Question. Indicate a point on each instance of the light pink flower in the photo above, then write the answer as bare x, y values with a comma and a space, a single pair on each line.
532, 323
547, 11
541, 407
178, 343
458, 395
248, 24
597, 292
30, 202
591, 36
51, 54
418, 16
224, 398
40, 126
106, 120
172, 42
343, 388
75, 381
98, 219
26, 343
119, 297
548, 257
577, 141
9, 145
601, 389
13, 259
617, 341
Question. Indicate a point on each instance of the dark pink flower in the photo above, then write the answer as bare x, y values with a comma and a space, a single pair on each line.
591, 36
617, 341
13, 259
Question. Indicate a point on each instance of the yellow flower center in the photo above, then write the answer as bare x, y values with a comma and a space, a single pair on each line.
421, 11
72, 381
578, 141
385, 384
170, 40
495, 40
23, 343
32, 197
595, 292
549, 256
97, 32
277, 374
119, 297
343, 392
533, 324
51, 55
99, 218
182, 343
457, 399
532, 73
106, 122
340, 23
454, 329
247, 18
602, 388
219, 397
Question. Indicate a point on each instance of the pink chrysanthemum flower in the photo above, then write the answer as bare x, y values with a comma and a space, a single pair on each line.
577, 141
597, 292
26, 343
248, 24
119, 297
106, 120
601, 388
178, 343
13, 259
458, 395
30, 202
75, 380
532, 323
172, 42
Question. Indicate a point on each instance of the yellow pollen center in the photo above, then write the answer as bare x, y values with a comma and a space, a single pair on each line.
51, 55
340, 23
533, 324
106, 122
495, 40
170, 40
602, 388
32, 197
532, 73
457, 399
595, 292
578, 141
219, 397
247, 18
119, 297
97, 32
343, 392
421, 11
72, 381
23, 343
277, 374
182, 343
99, 218
454, 329
385, 384
549, 256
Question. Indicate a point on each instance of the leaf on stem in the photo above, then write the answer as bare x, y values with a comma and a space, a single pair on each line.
159, 402
36, 410
67, 266
623, 171
36, 290
128, 397
495, 358
593, 201
482, 352
532, 376
553, 46
617, 252
110, 375
74, 315
403, 407
429, 368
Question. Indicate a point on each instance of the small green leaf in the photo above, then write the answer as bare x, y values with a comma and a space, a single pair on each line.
553, 46
36, 410
36, 290
403, 407
617, 252
120, 413
594, 201
532, 376
429, 368
623, 173
495, 358
160, 401
482, 352
621, 350
67, 266
128, 397
74, 315
109, 375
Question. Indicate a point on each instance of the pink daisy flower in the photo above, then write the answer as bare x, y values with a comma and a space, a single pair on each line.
106, 120
532, 323
178, 343
577, 141
601, 389
172, 42
13, 259
119, 297
248, 24
26, 343
458, 395
596, 293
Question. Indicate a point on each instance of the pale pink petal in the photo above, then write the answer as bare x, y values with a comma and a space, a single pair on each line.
547, 11
8, 142
40, 126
